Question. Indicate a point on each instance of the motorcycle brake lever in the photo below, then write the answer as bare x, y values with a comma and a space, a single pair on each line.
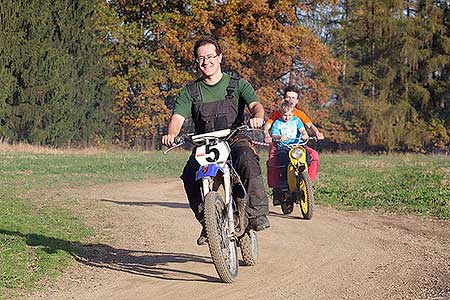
179, 142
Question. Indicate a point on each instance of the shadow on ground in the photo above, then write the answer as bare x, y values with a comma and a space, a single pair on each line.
160, 265
148, 203
294, 215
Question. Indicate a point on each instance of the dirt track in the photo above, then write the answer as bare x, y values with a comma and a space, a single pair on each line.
150, 253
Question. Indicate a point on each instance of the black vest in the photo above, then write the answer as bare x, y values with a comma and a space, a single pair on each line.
217, 115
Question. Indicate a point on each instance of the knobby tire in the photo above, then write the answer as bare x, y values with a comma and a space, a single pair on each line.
307, 202
249, 248
223, 251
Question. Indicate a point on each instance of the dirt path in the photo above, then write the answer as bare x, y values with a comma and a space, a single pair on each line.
150, 253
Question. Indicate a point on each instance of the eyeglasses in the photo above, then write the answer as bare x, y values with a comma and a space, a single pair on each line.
202, 59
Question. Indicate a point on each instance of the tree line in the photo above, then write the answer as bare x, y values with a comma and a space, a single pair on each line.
394, 89
79, 72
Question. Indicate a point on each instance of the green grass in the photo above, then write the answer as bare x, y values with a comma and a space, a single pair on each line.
35, 244
37, 241
400, 183
40, 171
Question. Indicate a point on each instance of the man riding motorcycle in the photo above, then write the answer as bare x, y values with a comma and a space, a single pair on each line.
291, 94
217, 101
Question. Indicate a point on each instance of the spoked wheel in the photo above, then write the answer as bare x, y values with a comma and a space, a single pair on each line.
222, 248
249, 248
287, 206
307, 197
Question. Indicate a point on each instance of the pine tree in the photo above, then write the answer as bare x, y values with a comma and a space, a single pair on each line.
53, 73
430, 95
389, 52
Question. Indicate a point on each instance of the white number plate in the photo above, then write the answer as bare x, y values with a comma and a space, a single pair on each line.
208, 154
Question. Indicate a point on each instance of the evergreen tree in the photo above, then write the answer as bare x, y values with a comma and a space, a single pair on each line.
53, 86
430, 95
392, 91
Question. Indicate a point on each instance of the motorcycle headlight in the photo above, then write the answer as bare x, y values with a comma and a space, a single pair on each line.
296, 153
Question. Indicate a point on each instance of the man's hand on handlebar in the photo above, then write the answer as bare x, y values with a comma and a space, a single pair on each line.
256, 122
168, 140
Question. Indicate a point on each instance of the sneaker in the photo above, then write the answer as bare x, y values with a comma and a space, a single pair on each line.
277, 196
202, 239
259, 223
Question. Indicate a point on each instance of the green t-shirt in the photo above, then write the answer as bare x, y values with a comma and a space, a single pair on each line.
217, 92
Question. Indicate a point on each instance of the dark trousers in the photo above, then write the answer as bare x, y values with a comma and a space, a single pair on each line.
246, 163
283, 160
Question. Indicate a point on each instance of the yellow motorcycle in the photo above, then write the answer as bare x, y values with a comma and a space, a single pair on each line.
299, 184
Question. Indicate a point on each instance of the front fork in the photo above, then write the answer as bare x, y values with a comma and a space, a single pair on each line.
293, 174
208, 185
294, 181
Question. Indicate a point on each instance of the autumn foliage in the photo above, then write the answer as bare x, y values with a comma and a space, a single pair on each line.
150, 46
373, 74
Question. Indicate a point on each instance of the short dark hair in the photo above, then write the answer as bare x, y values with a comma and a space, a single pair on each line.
207, 40
291, 88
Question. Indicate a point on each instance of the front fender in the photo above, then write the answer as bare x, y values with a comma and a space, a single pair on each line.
208, 171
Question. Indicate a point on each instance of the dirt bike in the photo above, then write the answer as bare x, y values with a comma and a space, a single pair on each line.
225, 217
299, 189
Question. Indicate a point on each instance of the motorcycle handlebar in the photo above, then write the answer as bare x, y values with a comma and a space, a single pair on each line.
181, 140
301, 141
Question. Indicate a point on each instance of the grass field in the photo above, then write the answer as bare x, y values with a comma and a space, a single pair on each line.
400, 183
37, 241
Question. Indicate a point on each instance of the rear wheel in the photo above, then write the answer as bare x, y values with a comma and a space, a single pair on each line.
307, 201
223, 249
249, 248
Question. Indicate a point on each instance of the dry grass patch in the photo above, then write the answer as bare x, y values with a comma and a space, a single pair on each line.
37, 149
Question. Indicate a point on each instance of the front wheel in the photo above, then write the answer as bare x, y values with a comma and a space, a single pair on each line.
307, 197
249, 248
222, 246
